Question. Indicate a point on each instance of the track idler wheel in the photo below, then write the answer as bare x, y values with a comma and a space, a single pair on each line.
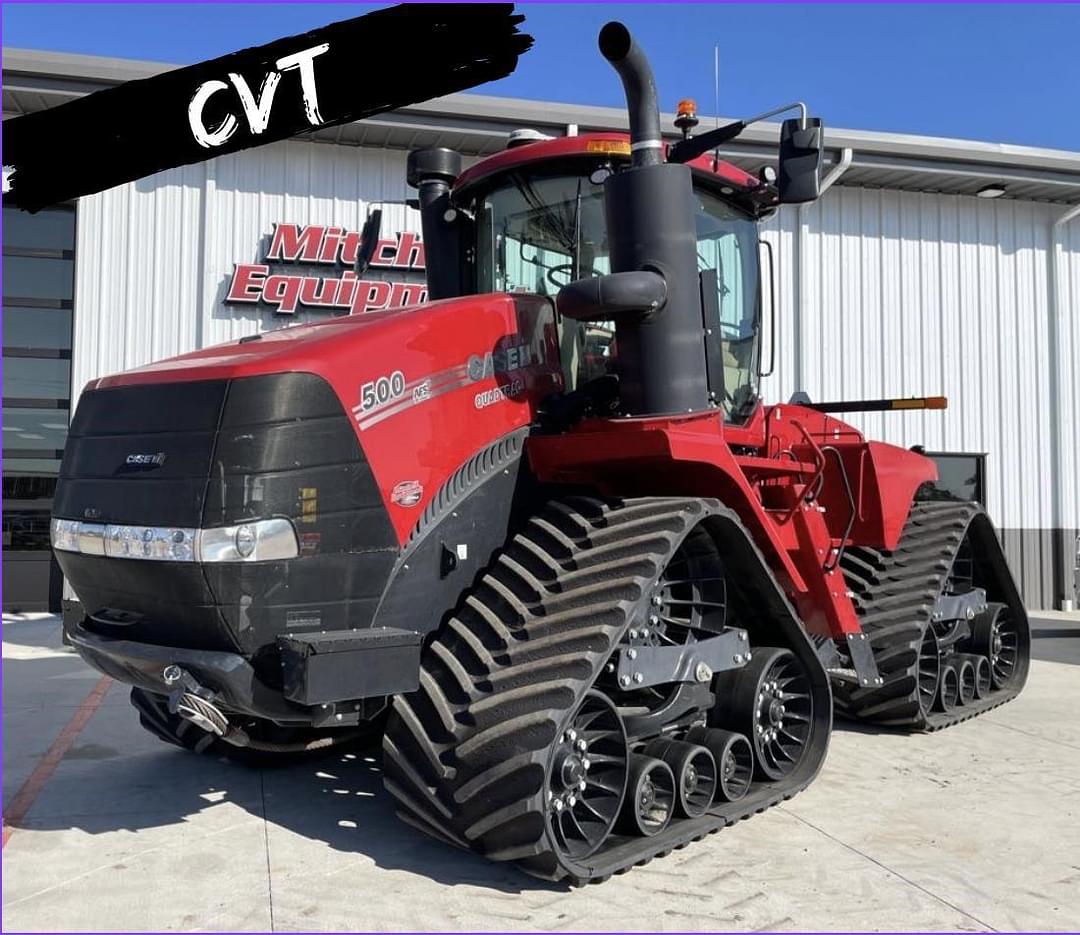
983, 678
587, 776
650, 796
695, 774
769, 701
994, 634
734, 760
949, 689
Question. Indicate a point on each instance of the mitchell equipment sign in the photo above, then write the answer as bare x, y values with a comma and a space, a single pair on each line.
288, 292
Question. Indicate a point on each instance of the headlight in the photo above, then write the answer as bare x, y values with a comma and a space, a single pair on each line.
156, 543
64, 534
260, 541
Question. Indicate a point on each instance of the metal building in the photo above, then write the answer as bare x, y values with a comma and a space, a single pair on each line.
937, 267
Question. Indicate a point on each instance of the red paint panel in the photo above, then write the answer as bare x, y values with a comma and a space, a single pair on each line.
454, 376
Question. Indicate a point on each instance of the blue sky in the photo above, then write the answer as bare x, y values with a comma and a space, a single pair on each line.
996, 72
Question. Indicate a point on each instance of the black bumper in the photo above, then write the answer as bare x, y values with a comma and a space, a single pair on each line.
318, 670
229, 675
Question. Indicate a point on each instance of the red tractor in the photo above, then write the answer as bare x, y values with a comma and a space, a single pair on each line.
541, 533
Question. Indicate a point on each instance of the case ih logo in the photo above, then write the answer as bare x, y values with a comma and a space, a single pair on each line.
316, 245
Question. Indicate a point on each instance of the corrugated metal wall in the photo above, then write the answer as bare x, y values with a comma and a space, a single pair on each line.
152, 273
886, 293
881, 293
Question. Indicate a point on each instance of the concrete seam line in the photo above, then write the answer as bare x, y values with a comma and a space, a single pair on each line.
888, 869
35, 782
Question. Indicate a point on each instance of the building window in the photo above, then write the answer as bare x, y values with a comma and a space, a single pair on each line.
38, 284
961, 476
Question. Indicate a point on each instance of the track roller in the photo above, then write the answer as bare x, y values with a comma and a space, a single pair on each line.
769, 701
965, 675
650, 796
949, 692
734, 760
983, 679
695, 774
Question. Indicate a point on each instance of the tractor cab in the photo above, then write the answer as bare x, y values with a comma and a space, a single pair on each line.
532, 219
538, 224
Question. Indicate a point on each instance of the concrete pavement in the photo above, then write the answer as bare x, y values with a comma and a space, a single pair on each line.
974, 828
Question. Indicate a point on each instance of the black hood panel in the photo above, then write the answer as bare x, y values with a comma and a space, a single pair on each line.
140, 454
231, 452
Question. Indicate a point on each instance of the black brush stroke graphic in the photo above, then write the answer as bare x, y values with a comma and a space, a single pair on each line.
373, 63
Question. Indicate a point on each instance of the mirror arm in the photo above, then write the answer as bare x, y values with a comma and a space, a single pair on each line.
685, 150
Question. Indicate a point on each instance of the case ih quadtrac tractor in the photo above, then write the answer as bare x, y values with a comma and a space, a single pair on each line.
540, 533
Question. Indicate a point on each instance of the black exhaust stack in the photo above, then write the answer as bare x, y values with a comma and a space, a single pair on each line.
432, 172
650, 222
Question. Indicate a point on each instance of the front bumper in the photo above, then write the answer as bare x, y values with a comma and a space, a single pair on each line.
319, 671
229, 675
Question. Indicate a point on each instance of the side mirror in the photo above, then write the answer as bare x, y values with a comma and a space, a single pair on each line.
801, 150
369, 240
608, 297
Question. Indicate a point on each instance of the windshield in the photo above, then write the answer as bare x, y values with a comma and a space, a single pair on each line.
536, 233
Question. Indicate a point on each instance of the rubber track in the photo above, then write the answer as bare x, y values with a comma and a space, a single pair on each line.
894, 596
466, 755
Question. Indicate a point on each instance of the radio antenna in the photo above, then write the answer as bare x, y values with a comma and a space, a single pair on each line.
716, 81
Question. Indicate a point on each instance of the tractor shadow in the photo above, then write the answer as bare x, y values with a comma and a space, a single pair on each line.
116, 777
336, 800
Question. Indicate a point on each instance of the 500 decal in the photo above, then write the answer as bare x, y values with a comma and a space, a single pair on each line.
388, 395
381, 391
392, 393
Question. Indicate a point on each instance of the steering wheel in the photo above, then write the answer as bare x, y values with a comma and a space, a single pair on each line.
567, 270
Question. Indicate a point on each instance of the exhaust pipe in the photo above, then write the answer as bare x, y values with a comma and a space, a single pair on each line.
432, 173
649, 208
639, 85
